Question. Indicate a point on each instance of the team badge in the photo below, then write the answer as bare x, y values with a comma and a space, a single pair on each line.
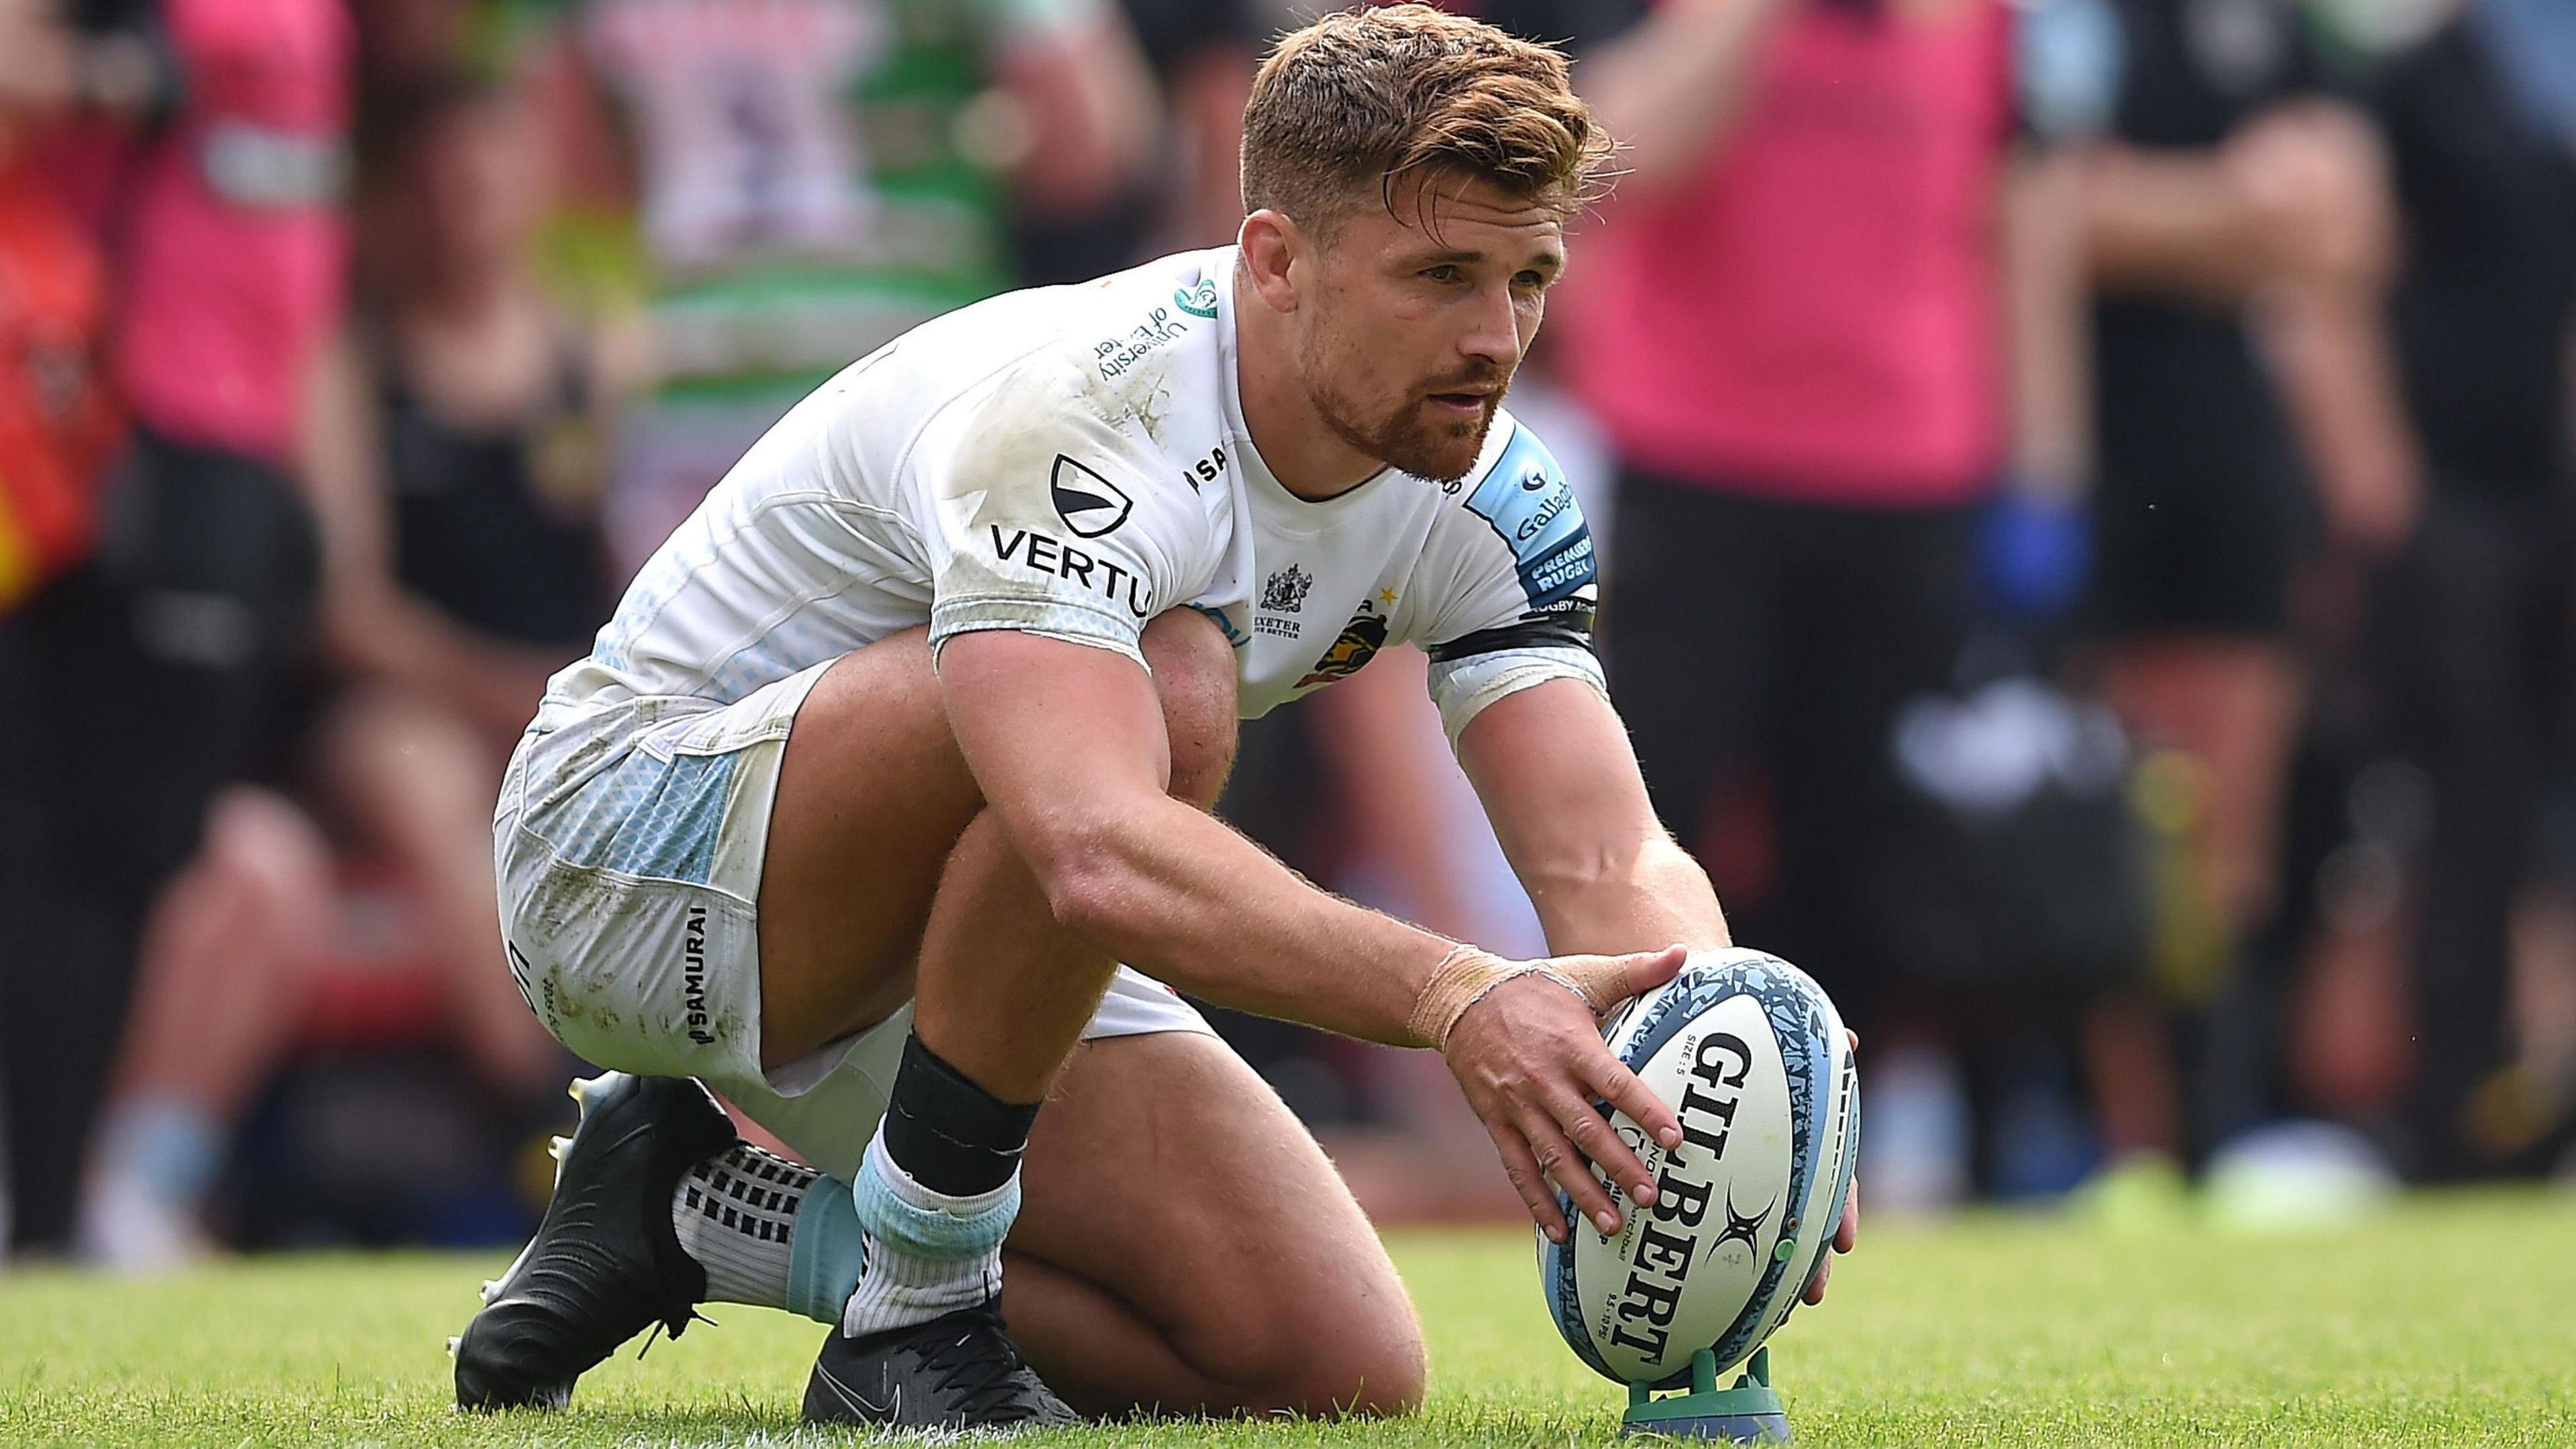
1360, 640
1089, 504
1284, 592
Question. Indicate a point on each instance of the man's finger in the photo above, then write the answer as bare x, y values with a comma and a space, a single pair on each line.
1567, 1169
1613, 1083
1592, 1136
1605, 981
1522, 1170
1846, 1237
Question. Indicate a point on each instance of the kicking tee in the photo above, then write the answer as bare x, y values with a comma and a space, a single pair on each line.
1071, 462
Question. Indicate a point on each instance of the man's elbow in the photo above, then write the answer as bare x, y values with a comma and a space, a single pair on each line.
1089, 880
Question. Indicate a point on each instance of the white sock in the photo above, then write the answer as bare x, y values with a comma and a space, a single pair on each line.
155, 1160
927, 1253
735, 1213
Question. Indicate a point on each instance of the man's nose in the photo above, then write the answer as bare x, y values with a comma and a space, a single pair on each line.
1495, 333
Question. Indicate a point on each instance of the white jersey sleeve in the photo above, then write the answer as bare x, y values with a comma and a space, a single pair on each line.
1052, 515
1517, 610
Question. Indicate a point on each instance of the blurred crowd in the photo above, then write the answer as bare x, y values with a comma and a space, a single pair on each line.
2083, 490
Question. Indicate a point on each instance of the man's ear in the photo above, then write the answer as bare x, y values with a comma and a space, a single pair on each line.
1273, 252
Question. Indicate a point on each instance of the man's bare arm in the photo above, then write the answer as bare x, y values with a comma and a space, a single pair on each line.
2170, 224
1156, 882
2291, 221
2047, 319
1177, 893
2282, 199
1559, 781
370, 624
2325, 331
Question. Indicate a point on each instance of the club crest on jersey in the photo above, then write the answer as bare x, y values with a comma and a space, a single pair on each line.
1089, 504
1360, 640
1284, 592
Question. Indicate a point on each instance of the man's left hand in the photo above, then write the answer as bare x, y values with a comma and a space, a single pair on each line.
1847, 1232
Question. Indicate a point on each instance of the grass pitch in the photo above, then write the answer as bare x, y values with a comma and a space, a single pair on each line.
2449, 1321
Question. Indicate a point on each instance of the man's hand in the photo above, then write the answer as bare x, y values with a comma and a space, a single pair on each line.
1530, 1058
1846, 1232
1846, 1237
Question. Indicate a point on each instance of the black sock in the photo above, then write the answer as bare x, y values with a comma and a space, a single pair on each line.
948, 1134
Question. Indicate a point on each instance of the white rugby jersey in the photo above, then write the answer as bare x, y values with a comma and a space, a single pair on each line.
1072, 461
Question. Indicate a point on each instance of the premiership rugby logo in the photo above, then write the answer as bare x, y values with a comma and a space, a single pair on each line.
1089, 504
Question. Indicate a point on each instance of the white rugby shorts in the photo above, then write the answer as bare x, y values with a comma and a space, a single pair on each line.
629, 841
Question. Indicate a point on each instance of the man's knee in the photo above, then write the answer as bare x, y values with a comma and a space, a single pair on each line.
1194, 673
1385, 1376
1362, 1356
1321, 1332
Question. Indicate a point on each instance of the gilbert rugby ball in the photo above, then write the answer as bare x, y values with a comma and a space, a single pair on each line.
1751, 1056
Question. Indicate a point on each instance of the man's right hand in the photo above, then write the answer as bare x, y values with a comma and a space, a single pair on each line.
1530, 1058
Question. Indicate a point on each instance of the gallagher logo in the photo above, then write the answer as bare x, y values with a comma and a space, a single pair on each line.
1089, 504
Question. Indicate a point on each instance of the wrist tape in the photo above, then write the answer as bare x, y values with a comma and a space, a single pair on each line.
1462, 979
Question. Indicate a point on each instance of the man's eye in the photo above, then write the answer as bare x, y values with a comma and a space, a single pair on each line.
1530, 281
1445, 272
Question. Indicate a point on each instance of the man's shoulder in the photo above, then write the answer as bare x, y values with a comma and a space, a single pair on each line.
1134, 351
1517, 497
1143, 320
1514, 477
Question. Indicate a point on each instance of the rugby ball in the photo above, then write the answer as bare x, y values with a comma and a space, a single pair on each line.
1750, 1055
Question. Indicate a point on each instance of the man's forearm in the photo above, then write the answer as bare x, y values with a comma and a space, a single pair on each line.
1180, 895
2047, 321
2334, 364
1657, 897
1561, 786
2169, 224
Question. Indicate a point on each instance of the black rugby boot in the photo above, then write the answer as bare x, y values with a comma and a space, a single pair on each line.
958, 1372
605, 1264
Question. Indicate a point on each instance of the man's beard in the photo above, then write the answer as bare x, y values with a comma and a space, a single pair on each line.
1405, 440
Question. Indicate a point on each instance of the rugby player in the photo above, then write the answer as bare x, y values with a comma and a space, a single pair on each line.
904, 741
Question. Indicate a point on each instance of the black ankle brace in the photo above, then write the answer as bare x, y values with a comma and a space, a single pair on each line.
947, 1133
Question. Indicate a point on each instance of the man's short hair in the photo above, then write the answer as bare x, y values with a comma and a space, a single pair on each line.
1359, 101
